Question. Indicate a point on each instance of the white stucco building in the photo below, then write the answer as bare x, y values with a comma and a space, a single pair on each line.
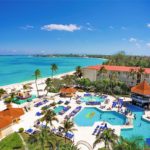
127, 74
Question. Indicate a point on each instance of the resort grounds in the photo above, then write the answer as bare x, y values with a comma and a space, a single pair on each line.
86, 125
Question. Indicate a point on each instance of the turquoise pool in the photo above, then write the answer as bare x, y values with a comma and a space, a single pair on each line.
89, 115
21, 101
92, 98
58, 109
141, 127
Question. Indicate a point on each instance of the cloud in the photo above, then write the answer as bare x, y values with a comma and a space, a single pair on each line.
123, 28
132, 39
148, 45
27, 27
61, 27
148, 25
111, 27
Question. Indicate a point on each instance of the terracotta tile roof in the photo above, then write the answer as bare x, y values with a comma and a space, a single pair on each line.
68, 90
8, 115
142, 88
118, 68
5, 121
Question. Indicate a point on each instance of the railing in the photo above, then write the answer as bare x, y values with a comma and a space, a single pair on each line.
140, 99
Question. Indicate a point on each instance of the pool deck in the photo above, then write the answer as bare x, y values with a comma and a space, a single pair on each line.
82, 133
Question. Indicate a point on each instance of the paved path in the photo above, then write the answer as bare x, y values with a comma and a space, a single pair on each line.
24, 143
85, 144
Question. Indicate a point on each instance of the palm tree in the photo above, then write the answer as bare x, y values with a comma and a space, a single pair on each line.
108, 137
68, 127
78, 72
126, 144
37, 74
140, 72
2, 91
132, 74
102, 71
49, 117
48, 83
54, 68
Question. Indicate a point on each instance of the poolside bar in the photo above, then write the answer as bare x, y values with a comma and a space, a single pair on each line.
140, 94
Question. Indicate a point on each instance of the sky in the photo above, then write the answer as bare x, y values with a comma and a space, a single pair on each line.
74, 26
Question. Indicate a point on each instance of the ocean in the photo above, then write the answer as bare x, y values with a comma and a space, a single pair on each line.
15, 69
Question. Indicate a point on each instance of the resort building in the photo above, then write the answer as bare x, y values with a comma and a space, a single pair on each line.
8, 117
130, 75
67, 91
140, 94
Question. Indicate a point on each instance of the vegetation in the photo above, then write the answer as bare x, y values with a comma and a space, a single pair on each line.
2, 91
11, 142
135, 143
37, 74
68, 126
121, 59
108, 137
48, 141
49, 117
54, 68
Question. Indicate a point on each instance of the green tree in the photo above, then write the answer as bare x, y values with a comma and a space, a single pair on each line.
37, 74
140, 72
54, 68
102, 72
49, 117
108, 137
2, 91
129, 144
68, 127
78, 72
48, 83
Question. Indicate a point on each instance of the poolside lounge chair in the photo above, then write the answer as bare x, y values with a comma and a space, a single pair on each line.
87, 94
67, 102
147, 141
29, 131
95, 130
69, 135
60, 102
38, 113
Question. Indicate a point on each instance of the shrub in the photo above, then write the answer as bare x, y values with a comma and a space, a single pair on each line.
21, 130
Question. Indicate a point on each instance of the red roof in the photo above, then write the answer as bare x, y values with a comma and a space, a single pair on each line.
8, 115
5, 121
142, 88
118, 68
68, 90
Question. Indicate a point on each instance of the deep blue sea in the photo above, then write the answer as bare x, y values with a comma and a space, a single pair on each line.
14, 69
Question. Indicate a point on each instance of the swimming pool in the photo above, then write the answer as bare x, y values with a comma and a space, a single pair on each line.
92, 98
58, 109
21, 101
89, 115
141, 127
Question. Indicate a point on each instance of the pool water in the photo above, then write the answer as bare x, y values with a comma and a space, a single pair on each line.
141, 127
58, 109
21, 101
92, 98
89, 115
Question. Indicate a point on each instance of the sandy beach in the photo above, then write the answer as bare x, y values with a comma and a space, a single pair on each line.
40, 80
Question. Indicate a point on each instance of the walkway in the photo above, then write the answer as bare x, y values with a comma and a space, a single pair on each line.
85, 144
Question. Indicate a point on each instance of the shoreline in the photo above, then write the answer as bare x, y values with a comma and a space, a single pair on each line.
33, 81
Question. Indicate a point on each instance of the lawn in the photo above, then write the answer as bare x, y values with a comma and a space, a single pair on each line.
11, 142
54, 139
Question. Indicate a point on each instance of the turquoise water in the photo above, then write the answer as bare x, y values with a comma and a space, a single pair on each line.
91, 98
141, 127
24, 100
20, 68
58, 109
89, 115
